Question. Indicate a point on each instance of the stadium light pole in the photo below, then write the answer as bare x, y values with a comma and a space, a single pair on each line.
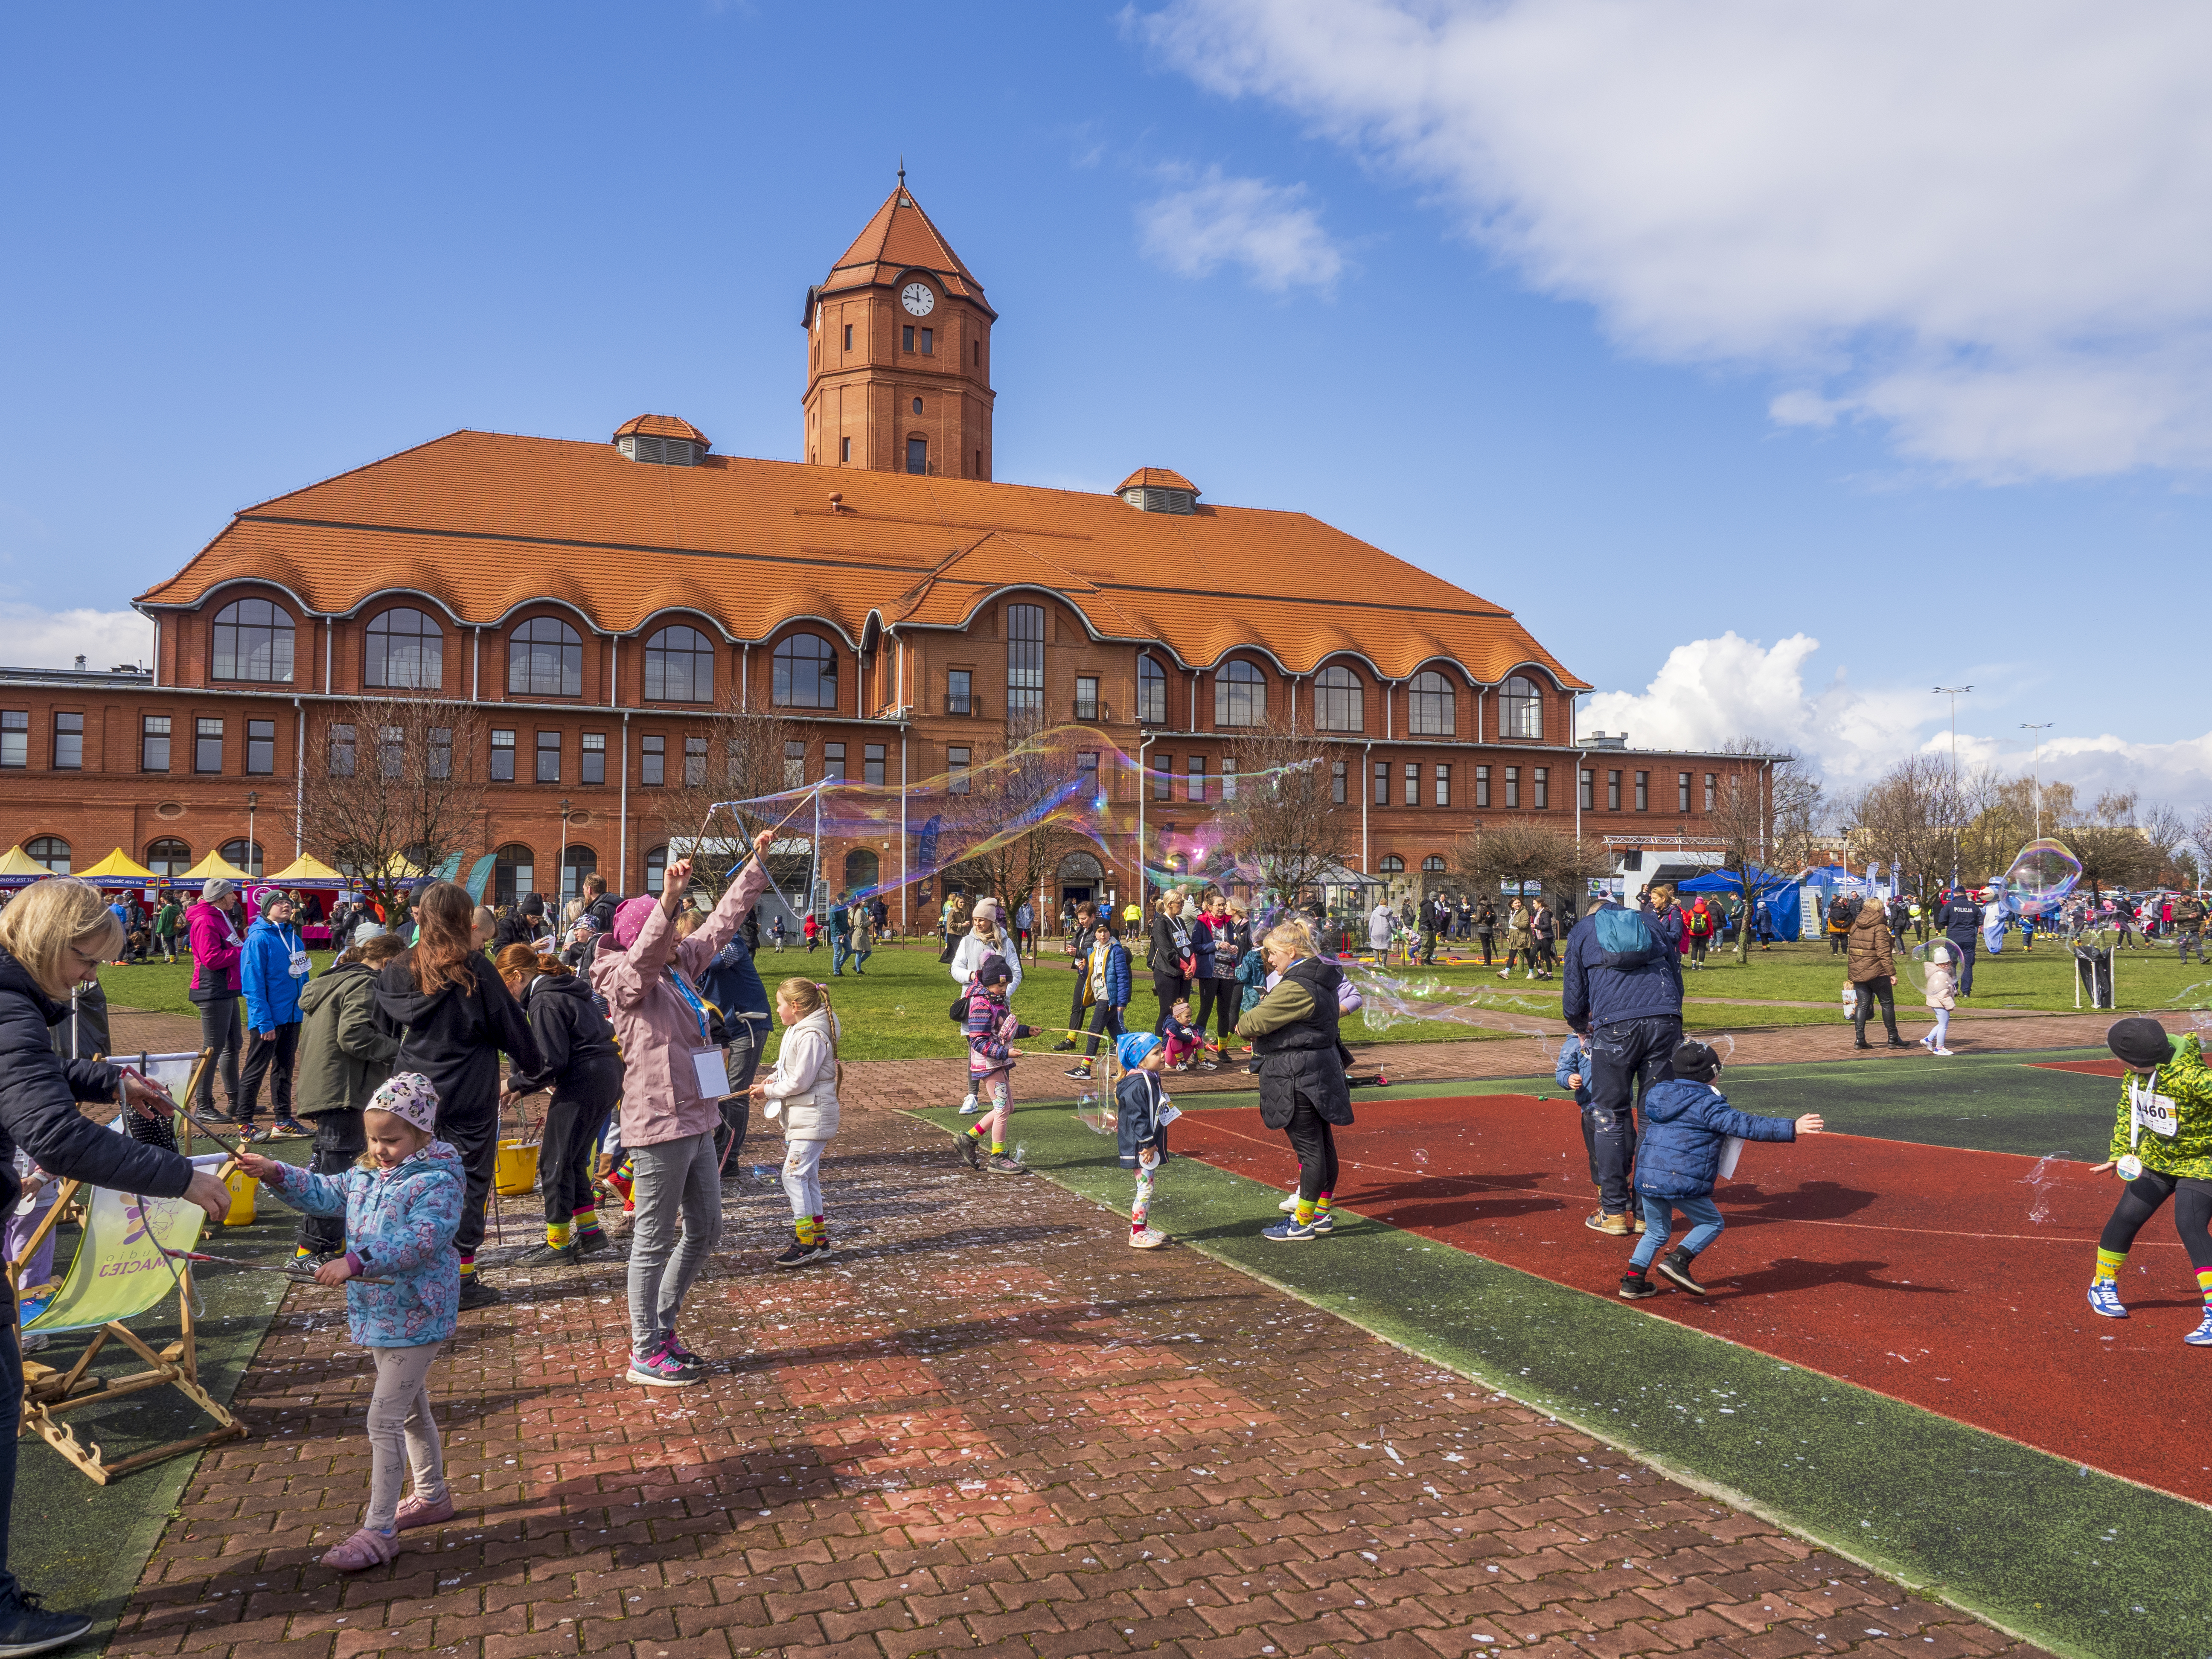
1954, 692
2035, 768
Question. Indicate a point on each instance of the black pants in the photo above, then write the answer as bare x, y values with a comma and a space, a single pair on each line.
747, 1038
280, 1048
1625, 1059
1314, 1140
220, 1030
11, 1410
475, 1138
1869, 992
575, 1119
1964, 947
340, 1140
1170, 988
1105, 1020
1837, 942
1485, 939
1222, 993
2141, 1199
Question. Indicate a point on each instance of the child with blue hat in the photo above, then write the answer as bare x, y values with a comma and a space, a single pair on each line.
1142, 1113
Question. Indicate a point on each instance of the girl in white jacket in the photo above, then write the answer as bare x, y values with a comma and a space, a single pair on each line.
801, 1093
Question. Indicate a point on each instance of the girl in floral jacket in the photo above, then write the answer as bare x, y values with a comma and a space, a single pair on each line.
402, 1206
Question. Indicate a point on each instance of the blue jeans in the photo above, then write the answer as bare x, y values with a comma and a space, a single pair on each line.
1659, 1221
841, 947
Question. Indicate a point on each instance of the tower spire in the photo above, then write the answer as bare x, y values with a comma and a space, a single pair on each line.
901, 172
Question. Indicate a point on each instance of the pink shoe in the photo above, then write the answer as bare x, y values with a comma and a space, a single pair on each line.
364, 1549
413, 1512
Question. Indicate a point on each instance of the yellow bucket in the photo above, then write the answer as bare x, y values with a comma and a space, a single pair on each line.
515, 1173
242, 1187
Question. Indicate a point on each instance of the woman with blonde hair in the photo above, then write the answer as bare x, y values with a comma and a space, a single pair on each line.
54, 936
1293, 1029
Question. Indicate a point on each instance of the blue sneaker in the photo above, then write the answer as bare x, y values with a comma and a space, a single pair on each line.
1292, 1231
2105, 1298
2202, 1336
1324, 1221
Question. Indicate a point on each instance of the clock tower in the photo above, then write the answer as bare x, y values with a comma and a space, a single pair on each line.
898, 353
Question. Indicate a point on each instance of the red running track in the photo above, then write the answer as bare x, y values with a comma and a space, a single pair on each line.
1951, 1279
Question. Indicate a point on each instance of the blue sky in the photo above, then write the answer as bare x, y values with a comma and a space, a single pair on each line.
255, 247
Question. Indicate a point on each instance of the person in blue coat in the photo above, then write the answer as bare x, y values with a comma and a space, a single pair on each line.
271, 971
1687, 1123
1623, 997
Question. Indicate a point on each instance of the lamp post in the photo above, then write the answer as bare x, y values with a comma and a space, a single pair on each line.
252, 801
561, 871
2035, 768
1954, 692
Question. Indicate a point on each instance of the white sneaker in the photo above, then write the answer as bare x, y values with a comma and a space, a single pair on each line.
1945, 1052
1149, 1239
968, 1106
1289, 1204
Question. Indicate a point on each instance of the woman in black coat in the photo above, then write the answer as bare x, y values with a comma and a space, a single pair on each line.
579, 1064
1302, 1087
1174, 957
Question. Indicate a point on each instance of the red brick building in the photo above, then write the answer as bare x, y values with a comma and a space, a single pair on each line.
598, 598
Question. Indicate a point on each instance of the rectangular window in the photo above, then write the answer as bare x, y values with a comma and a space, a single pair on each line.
69, 742
1337, 782
441, 752
207, 745
1194, 778
1713, 786
1413, 783
1613, 789
1382, 783
956, 771
502, 757
1681, 792
390, 751
1229, 777
849, 346
1163, 777
1444, 785
1482, 785
260, 748
929, 342
548, 757
1542, 784
1025, 659
1513, 785
15, 736
1589, 790
906, 336
341, 740
833, 762
960, 692
1642, 791
154, 743
871, 764
844, 449
917, 456
595, 758
794, 764
694, 762
1086, 697
1086, 774
653, 762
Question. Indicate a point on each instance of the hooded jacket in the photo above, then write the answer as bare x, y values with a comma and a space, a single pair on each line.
214, 943
2185, 1082
1867, 953
400, 1224
576, 1042
1685, 1123
38, 1093
265, 974
1607, 984
454, 1041
802, 1089
1293, 1029
346, 1045
644, 990
968, 956
1140, 1101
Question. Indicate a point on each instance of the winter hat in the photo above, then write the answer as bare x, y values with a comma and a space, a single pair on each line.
985, 907
409, 1097
629, 920
533, 906
2140, 1042
1132, 1048
1696, 1062
367, 931
994, 971
216, 891
272, 899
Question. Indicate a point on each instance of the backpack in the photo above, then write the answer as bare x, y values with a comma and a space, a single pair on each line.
1624, 939
959, 1012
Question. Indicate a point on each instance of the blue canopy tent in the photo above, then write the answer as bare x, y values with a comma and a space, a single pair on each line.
1780, 893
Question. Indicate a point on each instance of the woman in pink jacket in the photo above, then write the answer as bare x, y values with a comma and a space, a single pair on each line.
673, 1079
217, 940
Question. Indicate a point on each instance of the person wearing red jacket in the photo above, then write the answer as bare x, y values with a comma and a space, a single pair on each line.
216, 941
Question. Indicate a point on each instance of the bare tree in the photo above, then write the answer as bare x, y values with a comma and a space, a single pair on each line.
1908, 819
1283, 819
393, 787
1006, 824
739, 757
1526, 854
1769, 815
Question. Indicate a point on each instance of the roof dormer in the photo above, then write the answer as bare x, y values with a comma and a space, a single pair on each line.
665, 439
1159, 489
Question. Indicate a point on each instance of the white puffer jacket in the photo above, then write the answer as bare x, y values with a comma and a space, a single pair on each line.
802, 1091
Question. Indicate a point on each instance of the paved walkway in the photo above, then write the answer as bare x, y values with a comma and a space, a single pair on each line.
988, 1428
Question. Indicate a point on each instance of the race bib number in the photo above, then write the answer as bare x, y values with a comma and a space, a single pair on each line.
2152, 1110
298, 964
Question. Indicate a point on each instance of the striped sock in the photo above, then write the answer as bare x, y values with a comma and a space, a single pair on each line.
2109, 1263
586, 1221
556, 1234
1322, 1204
821, 1232
974, 1132
1305, 1212
2204, 1286
468, 1264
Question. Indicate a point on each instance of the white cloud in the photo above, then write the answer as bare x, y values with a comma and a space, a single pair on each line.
1986, 224
32, 638
1269, 229
1710, 690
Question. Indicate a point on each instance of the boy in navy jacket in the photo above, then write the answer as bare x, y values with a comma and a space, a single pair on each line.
1141, 1115
1686, 1124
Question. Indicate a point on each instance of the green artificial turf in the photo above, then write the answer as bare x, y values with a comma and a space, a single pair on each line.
2074, 1560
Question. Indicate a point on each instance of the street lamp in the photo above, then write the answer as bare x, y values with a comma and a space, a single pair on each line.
561, 871
1954, 692
252, 801
2035, 770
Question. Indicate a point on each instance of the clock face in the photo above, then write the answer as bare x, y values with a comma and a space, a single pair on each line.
917, 298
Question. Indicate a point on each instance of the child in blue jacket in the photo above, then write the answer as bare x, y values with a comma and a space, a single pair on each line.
402, 1206
1686, 1124
1141, 1115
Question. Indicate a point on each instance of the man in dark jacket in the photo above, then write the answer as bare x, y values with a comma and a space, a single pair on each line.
1302, 1088
1960, 919
732, 983
1081, 919
1623, 996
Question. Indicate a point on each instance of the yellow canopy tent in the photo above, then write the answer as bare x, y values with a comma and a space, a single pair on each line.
19, 869
213, 867
118, 869
307, 871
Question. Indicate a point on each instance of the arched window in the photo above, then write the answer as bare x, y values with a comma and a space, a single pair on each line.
514, 873
679, 666
545, 659
1519, 708
406, 650
1339, 701
1240, 694
52, 851
1433, 865
168, 857
1431, 710
807, 673
656, 868
575, 864
1393, 865
243, 855
860, 868
1151, 693
253, 641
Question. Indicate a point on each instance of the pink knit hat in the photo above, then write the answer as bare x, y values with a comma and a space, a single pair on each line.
409, 1098
629, 920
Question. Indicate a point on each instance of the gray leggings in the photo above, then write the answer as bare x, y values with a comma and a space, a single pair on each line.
402, 1431
673, 1177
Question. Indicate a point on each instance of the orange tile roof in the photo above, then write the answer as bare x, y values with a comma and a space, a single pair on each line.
1158, 477
663, 426
485, 522
900, 238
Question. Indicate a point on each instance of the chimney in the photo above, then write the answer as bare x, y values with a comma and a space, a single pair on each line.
79, 665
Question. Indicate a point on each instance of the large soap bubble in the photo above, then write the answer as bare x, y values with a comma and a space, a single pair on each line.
2041, 878
1936, 952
